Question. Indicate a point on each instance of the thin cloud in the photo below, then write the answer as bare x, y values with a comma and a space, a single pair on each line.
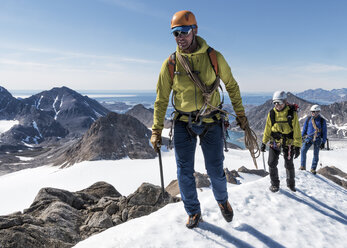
59, 55
21, 63
134, 6
323, 68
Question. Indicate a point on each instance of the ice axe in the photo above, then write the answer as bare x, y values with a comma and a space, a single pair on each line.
161, 170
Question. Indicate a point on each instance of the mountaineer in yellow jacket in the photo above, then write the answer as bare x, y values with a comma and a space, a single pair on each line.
282, 129
197, 111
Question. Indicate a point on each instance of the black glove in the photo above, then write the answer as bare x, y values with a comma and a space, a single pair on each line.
296, 152
322, 146
242, 121
263, 147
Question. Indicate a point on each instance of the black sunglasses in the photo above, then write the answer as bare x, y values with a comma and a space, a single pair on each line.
278, 103
182, 33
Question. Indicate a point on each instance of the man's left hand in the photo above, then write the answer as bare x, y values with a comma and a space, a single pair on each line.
322, 146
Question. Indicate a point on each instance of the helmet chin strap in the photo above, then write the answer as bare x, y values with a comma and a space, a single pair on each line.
192, 43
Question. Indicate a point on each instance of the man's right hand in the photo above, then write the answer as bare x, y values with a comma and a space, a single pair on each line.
263, 147
156, 139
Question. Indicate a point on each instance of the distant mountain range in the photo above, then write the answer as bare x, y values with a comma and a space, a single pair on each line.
322, 96
61, 126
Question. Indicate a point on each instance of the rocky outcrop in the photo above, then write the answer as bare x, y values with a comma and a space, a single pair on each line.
114, 136
334, 174
143, 114
59, 218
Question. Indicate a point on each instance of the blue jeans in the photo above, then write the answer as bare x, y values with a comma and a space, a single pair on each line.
307, 144
212, 148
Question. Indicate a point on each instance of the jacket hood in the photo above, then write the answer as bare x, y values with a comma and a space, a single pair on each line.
202, 46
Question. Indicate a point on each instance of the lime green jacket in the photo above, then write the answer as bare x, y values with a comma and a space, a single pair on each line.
187, 96
281, 125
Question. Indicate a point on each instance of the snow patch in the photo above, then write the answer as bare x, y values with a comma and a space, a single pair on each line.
38, 103
25, 158
6, 125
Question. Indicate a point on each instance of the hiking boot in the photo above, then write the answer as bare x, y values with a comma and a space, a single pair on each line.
292, 188
193, 220
274, 188
313, 171
302, 168
227, 211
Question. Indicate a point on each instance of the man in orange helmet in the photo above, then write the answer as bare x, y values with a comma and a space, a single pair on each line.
194, 79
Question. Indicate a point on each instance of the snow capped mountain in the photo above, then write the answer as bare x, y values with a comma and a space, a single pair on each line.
48, 116
75, 112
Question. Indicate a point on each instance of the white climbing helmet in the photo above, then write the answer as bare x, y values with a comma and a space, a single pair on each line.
315, 108
279, 95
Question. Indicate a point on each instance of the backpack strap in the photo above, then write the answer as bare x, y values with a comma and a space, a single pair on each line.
272, 117
213, 59
172, 65
290, 116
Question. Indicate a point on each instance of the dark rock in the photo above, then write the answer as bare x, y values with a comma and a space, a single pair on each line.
173, 188
231, 176
333, 173
261, 173
101, 189
201, 180
100, 220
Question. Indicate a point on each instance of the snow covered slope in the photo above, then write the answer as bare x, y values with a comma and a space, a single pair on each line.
314, 216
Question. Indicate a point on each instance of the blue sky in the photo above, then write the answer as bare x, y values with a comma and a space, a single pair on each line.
119, 45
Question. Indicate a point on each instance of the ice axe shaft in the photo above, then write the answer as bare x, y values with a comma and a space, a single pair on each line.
264, 160
161, 172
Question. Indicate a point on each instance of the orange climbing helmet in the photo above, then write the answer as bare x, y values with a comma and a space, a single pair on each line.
183, 18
